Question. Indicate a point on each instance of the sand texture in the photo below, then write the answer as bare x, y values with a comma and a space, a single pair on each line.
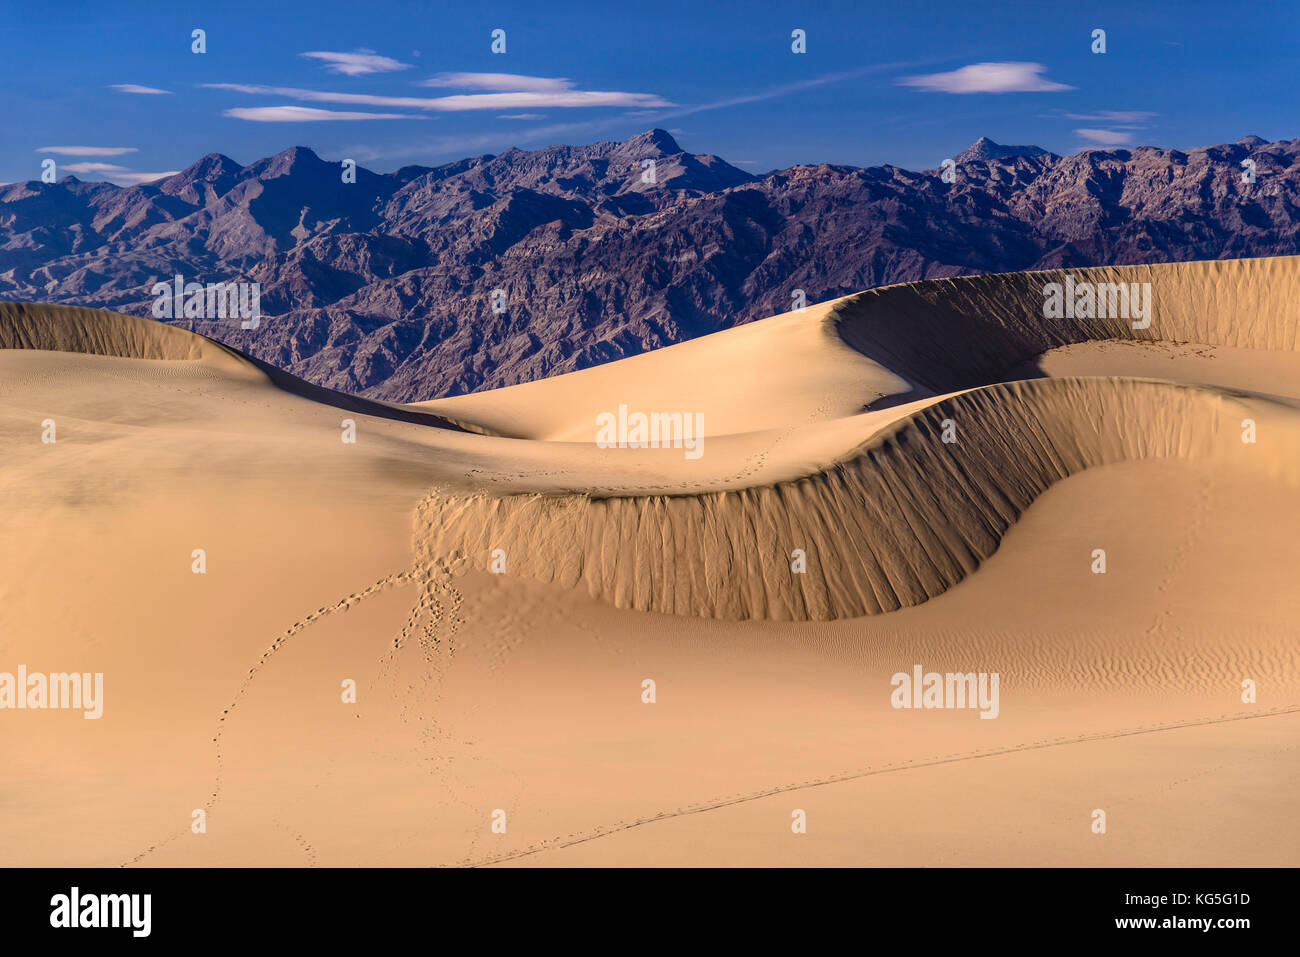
920, 474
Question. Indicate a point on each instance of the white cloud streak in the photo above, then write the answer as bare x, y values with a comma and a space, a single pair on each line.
357, 63
1106, 137
1112, 116
94, 168
137, 88
88, 150
135, 179
306, 114
988, 78
512, 82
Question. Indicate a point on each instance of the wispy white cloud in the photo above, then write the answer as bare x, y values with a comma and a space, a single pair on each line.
137, 88
357, 63
1112, 116
457, 102
1106, 137
512, 82
88, 150
521, 116
112, 172
306, 114
135, 179
1005, 77
94, 168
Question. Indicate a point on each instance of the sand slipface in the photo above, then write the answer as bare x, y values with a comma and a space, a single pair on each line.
960, 333
96, 332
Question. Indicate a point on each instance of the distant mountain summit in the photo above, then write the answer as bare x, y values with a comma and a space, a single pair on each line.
491, 270
651, 142
985, 149
210, 177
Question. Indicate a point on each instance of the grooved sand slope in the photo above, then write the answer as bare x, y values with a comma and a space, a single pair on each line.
898, 522
900, 516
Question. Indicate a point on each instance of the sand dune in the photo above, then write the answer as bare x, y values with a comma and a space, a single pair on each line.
923, 513
99, 333
522, 691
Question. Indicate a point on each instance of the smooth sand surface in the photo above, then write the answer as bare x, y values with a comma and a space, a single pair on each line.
521, 692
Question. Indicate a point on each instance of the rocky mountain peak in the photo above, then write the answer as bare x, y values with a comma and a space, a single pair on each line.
654, 142
296, 160
211, 176
985, 149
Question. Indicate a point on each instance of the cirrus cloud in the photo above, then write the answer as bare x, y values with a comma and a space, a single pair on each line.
137, 88
357, 63
94, 168
111, 172
513, 82
306, 114
135, 179
87, 150
1106, 137
1112, 116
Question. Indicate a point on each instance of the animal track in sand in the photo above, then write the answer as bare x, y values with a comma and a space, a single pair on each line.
299, 840
343, 604
1200, 515
570, 840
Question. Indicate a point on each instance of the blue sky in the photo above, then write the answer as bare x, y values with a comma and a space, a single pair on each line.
395, 83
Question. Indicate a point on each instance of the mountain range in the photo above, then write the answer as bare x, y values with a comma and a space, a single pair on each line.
493, 270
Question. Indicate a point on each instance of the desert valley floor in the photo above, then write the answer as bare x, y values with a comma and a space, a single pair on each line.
521, 692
